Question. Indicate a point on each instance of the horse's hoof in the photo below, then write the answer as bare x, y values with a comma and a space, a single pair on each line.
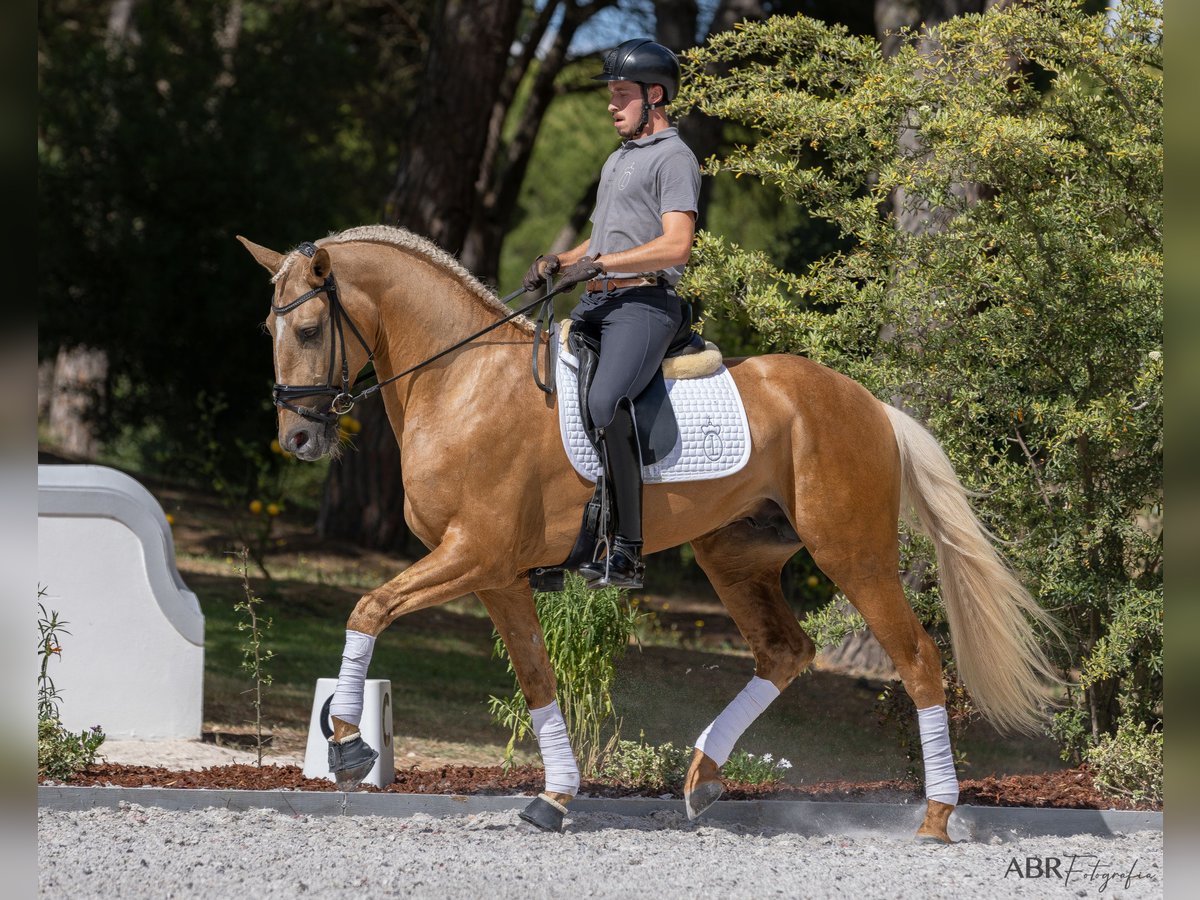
350, 762
544, 813
932, 839
933, 830
701, 797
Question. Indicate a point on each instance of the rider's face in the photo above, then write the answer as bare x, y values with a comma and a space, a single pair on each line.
625, 105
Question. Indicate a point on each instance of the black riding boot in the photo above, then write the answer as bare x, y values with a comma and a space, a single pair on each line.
623, 566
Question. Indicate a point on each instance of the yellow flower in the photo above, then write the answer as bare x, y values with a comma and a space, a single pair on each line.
256, 506
812, 581
350, 424
699, 623
273, 509
275, 448
170, 519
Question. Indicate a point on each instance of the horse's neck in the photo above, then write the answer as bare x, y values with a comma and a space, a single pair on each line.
423, 311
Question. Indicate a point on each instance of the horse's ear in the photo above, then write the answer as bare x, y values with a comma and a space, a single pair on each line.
268, 259
319, 267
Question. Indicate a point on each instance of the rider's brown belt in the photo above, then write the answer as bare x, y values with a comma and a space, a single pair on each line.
603, 285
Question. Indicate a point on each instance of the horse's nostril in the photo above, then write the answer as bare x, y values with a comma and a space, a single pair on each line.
299, 439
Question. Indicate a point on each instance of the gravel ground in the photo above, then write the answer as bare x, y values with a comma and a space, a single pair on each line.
136, 851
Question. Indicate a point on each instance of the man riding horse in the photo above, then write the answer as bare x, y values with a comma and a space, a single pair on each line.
642, 230
831, 471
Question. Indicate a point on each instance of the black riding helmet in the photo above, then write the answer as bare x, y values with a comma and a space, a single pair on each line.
645, 62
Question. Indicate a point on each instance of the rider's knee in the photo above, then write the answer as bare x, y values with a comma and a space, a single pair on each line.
603, 406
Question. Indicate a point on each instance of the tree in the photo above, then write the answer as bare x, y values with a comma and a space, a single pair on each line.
434, 194
898, 22
1027, 329
165, 128
492, 72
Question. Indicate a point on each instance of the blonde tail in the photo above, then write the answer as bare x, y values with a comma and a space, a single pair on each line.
989, 611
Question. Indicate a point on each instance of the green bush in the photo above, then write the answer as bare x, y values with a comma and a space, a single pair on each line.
998, 193
255, 655
646, 766
746, 768
585, 631
1129, 763
61, 753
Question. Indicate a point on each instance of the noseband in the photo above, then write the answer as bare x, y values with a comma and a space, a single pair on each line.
341, 401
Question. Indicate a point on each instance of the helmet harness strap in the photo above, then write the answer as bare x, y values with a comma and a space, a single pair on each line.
647, 106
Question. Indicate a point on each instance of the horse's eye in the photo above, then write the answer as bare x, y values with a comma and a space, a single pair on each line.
310, 333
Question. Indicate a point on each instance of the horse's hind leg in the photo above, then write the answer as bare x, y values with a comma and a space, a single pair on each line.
878, 595
743, 561
515, 617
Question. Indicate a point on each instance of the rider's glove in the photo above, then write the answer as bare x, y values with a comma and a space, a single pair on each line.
541, 267
582, 270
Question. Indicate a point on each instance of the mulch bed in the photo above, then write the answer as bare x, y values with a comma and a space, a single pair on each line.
1067, 789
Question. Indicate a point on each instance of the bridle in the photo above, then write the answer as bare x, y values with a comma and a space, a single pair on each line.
342, 399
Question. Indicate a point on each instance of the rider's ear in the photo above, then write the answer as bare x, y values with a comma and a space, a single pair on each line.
268, 259
319, 267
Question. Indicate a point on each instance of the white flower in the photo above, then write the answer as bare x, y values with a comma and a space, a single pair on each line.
783, 764
767, 757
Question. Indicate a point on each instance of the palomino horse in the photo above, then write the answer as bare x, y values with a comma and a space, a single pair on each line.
489, 490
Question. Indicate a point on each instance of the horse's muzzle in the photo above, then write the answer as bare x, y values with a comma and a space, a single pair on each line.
307, 442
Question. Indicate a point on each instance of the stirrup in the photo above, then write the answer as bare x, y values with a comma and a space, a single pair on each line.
622, 567
597, 567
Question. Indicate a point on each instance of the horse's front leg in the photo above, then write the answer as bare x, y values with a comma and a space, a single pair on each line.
450, 571
515, 616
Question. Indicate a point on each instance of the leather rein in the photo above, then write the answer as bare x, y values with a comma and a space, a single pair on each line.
342, 399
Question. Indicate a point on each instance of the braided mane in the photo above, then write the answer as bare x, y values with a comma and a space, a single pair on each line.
407, 240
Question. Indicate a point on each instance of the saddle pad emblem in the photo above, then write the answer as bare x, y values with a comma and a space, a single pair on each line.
714, 436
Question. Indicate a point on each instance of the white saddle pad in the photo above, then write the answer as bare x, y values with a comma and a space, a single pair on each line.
714, 437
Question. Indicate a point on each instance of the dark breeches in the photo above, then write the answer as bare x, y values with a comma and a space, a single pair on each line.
636, 326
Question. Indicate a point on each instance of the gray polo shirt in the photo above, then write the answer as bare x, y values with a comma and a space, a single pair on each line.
643, 179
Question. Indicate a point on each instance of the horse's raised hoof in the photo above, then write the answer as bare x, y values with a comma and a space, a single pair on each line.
350, 761
703, 784
933, 829
701, 797
544, 812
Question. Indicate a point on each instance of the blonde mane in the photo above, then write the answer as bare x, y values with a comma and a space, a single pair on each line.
406, 240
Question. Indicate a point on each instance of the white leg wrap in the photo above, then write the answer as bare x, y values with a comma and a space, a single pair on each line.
719, 737
347, 702
941, 783
550, 729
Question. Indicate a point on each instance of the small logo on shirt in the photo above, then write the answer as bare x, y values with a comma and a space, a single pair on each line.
625, 176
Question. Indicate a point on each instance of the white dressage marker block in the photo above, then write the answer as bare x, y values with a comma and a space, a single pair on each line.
133, 662
376, 728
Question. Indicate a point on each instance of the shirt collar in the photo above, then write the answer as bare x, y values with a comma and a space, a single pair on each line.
653, 138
